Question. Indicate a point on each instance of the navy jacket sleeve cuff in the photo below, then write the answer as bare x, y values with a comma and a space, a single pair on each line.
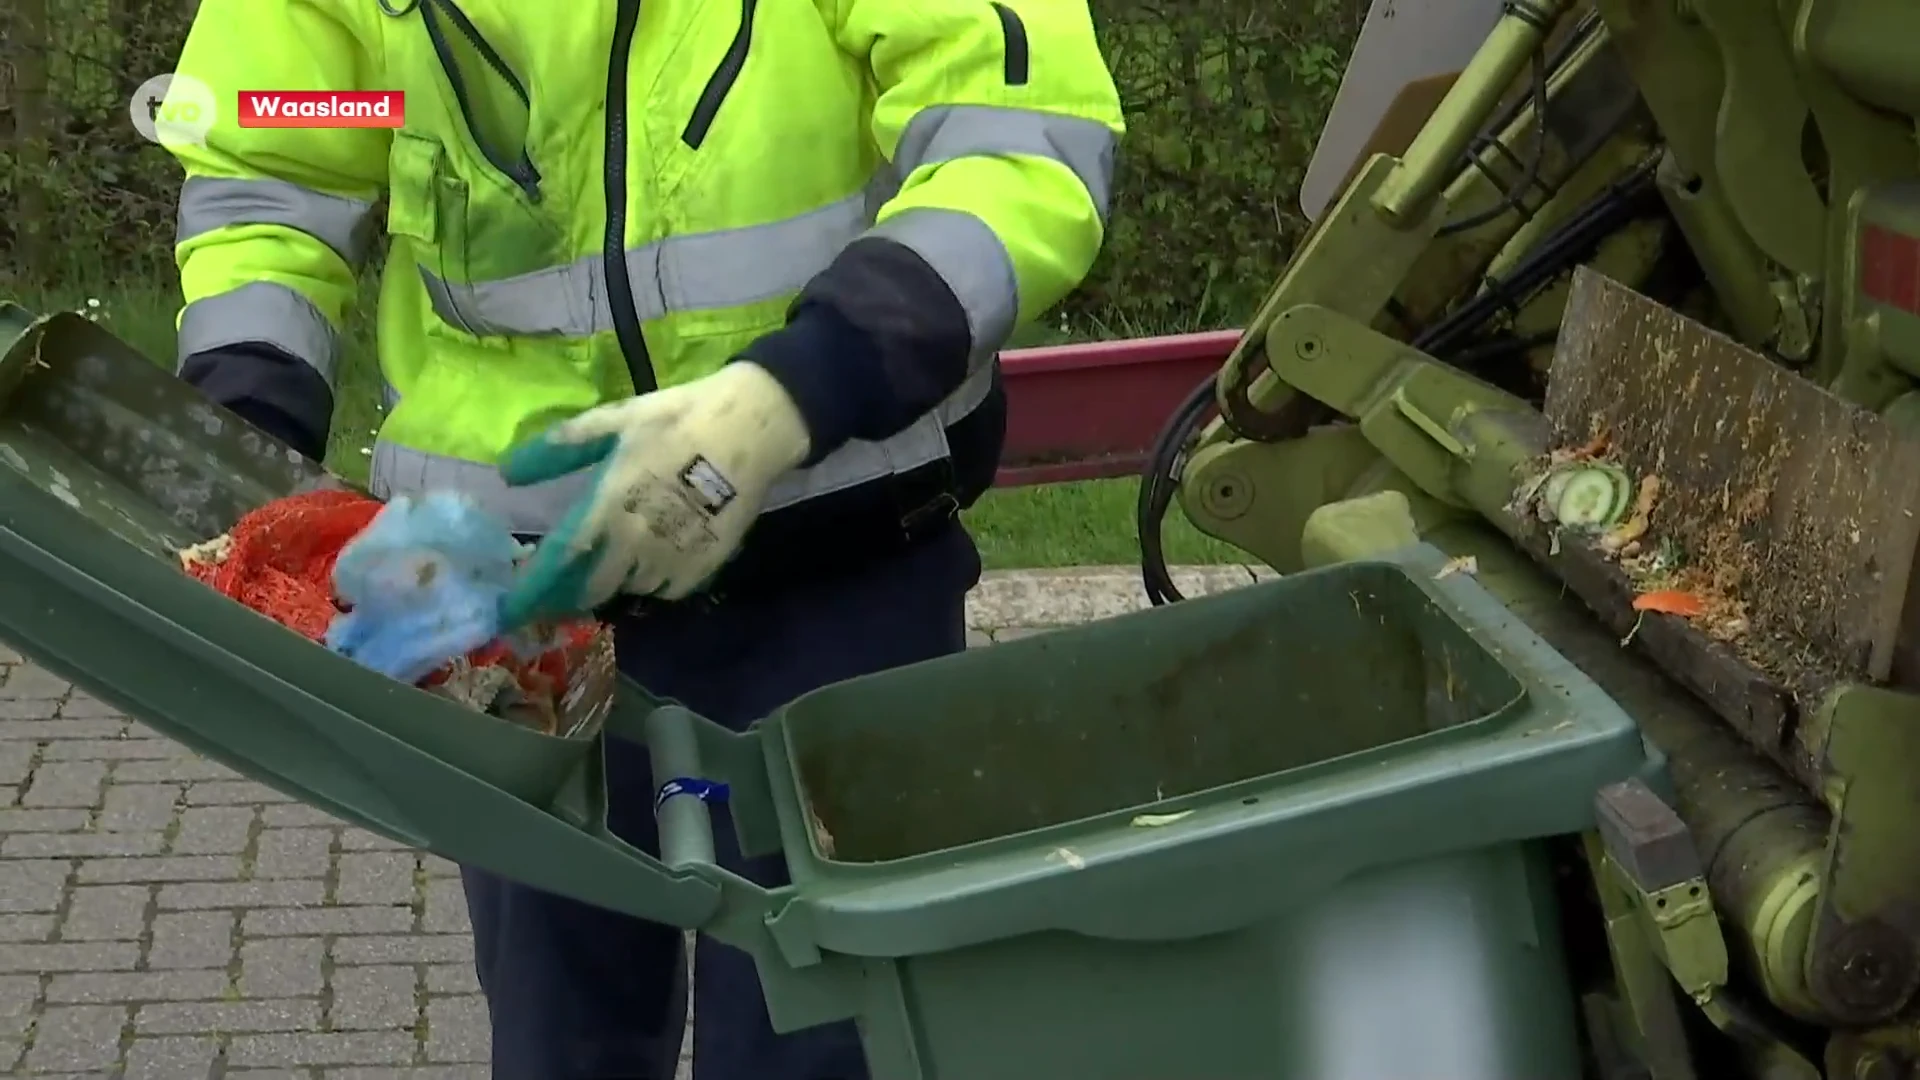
873, 343
832, 371
281, 395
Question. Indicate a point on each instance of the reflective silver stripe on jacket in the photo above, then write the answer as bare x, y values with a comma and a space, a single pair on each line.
973, 262
264, 311
208, 203
732, 267
693, 272
946, 132
533, 510
967, 254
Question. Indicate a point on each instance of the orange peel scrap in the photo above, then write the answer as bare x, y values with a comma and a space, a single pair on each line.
1670, 602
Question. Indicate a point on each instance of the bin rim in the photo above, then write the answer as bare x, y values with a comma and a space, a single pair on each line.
1061, 831
871, 908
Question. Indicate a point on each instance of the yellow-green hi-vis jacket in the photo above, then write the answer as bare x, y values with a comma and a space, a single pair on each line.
596, 197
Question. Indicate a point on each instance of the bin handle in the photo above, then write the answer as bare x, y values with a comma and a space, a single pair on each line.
697, 763
682, 792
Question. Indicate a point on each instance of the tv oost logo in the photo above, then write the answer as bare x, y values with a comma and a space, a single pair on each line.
173, 110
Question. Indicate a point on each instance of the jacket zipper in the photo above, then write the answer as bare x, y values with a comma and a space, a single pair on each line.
613, 252
720, 83
1015, 32
522, 171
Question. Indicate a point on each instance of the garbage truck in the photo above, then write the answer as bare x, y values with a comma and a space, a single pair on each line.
1576, 735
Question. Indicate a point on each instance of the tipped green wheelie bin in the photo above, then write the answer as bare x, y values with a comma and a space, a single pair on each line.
1291, 832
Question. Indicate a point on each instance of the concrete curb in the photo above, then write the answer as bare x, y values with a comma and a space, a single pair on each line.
1012, 603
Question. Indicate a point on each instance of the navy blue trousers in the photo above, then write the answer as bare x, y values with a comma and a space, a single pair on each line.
580, 993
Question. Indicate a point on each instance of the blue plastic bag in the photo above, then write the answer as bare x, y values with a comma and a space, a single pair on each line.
424, 582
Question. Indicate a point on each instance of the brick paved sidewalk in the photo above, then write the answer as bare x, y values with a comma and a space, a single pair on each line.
162, 918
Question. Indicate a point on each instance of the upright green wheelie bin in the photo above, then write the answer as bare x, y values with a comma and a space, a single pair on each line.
1288, 832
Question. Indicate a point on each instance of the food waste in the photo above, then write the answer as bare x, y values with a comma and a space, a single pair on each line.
1579, 491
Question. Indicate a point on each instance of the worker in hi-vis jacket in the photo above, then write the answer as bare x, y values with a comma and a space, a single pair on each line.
706, 296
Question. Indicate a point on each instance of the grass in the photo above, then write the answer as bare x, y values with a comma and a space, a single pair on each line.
1079, 524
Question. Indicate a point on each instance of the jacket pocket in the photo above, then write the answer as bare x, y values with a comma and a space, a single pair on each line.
466, 226
427, 207
493, 102
1013, 34
416, 171
722, 81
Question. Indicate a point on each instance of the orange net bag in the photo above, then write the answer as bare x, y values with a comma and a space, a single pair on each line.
279, 559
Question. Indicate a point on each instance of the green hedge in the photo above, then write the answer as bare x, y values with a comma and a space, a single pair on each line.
1224, 99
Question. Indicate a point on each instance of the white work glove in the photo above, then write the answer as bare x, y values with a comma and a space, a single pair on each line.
682, 474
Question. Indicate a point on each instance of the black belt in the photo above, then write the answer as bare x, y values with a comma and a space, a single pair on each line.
828, 535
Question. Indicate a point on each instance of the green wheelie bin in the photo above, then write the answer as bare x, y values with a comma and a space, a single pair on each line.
1292, 832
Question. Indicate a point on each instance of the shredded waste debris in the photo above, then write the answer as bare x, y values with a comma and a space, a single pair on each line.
1578, 490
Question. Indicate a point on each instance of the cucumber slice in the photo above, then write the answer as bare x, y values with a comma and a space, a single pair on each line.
1588, 497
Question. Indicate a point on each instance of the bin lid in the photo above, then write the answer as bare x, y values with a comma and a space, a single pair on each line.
109, 466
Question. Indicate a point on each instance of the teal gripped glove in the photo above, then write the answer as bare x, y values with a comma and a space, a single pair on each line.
679, 476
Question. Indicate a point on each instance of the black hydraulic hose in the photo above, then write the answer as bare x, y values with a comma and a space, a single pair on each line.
1570, 241
1543, 64
1515, 197
1589, 23
1158, 486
